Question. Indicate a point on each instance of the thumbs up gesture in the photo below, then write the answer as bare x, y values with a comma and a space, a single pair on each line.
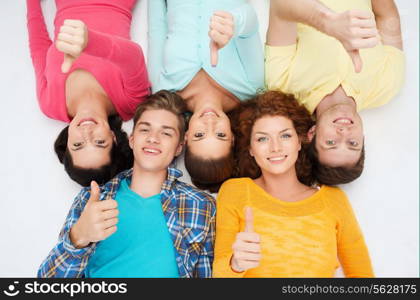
355, 29
97, 221
220, 32
246, 248
71, 40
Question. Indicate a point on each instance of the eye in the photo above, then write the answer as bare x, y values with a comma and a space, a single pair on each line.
77, 144
330, 142
166, 133
286, 136
221, 134
262, 139
143, 130
353, 143
100, 142
198, 134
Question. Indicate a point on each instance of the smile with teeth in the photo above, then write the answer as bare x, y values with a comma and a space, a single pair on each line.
151, 150
277, 158
343, 121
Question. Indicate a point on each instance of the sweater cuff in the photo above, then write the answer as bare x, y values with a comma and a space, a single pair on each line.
99, 44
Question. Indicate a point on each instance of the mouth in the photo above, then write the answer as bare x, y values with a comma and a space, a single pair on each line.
277, 159
209, 112
343, 121
88, 121
151, 151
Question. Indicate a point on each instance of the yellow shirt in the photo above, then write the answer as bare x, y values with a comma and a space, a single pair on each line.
317, 64
298, 239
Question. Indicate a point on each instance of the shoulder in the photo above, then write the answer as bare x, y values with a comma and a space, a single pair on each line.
336, 199
191, 193
234, 190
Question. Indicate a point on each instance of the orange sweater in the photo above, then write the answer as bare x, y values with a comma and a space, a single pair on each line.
298, 239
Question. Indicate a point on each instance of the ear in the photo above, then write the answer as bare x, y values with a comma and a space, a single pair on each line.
311, 133
114, 138
179, 149
233, 140
251, 153
186, 137
131, 141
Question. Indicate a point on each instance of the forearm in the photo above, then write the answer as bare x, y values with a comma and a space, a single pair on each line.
157, 32
388, 22
309, 12
65, 260
122, 52
280, 32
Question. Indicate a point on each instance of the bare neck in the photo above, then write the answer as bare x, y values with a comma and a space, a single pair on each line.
146, 183
335, 98
285, 187
203, 90
91, 103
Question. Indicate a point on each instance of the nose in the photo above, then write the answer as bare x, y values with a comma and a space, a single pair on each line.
275, 145
87, 132
153, 138
342, 130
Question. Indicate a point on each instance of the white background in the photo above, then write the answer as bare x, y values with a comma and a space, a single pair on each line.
37, 193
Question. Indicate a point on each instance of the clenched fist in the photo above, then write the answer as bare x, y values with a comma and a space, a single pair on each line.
355, 29
221, 31
97, 221
71, 40
246, 248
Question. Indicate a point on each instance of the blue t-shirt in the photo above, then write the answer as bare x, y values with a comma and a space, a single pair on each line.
141, 246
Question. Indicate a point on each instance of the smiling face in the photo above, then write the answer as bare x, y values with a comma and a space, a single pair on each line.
155, 140
89, 142
339, 136
275, 145
209, 135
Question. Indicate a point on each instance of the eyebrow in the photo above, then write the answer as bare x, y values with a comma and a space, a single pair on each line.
163, 126
80, 148
225, 139
261, 132
335, 147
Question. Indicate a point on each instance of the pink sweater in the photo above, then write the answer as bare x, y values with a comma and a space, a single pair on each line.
111, 57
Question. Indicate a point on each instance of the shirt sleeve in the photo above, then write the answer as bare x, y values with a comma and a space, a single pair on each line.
387, 80
352, 251
158, 28
246, 21
278, 60
39, 43
64, 260
124, 53
227, 227
205, 260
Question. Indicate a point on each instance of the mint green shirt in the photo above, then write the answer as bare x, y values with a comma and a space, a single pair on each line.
141, 246
179, 46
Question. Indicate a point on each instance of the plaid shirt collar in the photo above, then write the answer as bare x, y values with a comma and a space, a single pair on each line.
109, 190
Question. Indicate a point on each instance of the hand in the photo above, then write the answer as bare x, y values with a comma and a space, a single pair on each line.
246, 248
71, 40
220, 32
97, 221
355, 29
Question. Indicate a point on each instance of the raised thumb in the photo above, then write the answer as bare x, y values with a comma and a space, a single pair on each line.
214, 54
356, 59
95, 192
67, 63
249, 220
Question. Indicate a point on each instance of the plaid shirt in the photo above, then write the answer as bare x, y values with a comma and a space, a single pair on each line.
190, 217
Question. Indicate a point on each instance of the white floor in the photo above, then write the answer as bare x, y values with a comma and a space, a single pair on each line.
37, 193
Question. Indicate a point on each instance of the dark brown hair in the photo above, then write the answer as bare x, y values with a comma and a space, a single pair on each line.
271, 103
334, 175
121, 156
165, 100
209, 174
